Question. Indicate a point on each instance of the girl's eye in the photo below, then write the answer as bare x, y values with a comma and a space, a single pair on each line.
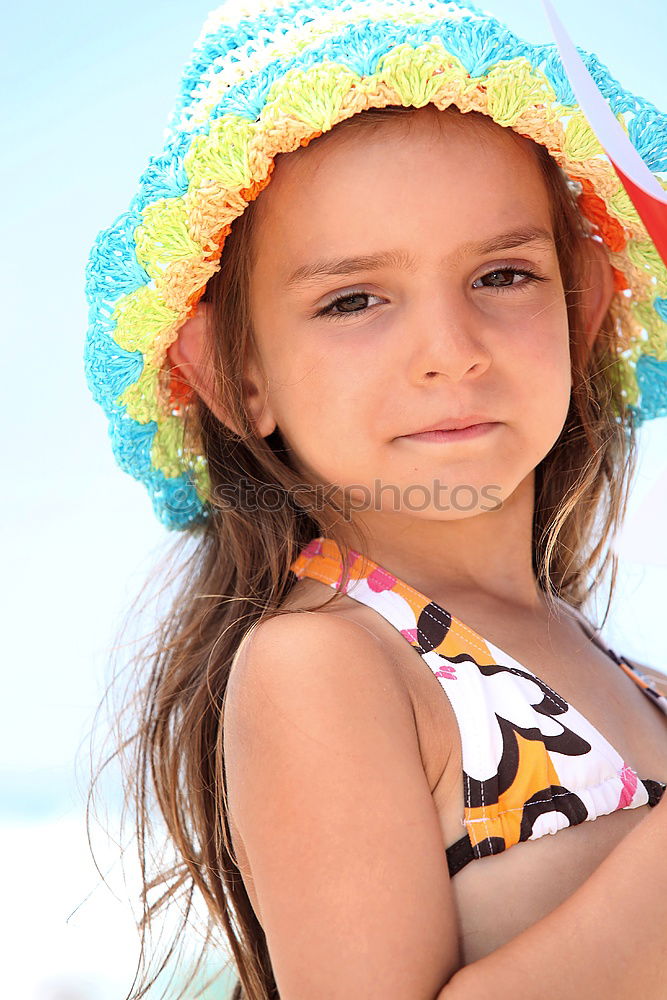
500, 279
344, 305
503, 277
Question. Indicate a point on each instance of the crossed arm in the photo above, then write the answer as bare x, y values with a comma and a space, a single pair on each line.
327, 789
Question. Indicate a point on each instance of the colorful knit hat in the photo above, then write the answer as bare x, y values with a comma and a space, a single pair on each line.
262, 82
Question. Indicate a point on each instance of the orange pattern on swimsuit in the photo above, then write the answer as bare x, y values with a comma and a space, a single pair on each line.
532, 764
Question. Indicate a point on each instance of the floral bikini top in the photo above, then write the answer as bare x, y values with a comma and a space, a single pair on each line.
532, 764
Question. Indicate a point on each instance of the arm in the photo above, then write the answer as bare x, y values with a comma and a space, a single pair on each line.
608, 939
327, 790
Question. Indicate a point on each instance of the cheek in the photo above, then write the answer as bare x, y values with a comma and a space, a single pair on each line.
540, 339
317, 390
322, 407
543, 366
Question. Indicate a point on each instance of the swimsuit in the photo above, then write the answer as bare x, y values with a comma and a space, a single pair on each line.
532, 764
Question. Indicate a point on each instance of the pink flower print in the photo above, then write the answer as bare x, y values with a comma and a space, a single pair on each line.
629, 779
313, 548
351, 560
448, 671
410, 634
380, 580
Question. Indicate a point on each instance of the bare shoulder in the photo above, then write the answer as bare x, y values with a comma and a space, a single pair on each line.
656, 677
327, 790
295, 654
321, 674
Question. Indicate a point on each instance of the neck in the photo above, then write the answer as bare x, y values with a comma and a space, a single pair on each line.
486, 555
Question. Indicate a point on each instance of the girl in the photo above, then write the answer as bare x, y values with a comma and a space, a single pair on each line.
376, 333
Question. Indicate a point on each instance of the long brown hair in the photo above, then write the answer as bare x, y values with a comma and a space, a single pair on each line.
233, 572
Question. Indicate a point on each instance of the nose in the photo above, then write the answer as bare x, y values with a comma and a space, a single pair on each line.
446, 339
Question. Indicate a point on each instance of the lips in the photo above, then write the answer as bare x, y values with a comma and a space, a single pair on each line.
461, 434
453, 424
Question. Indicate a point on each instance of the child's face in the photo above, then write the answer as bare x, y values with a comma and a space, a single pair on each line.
421, 336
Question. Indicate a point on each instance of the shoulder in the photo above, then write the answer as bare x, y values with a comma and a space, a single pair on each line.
300, 658
656, 677
326, 790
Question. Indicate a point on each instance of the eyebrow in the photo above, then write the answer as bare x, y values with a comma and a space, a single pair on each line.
337, 267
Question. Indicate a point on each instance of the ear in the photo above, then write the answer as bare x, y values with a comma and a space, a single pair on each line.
597, 289
188, 352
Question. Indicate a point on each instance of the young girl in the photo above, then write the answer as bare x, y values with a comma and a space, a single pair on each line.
376, 333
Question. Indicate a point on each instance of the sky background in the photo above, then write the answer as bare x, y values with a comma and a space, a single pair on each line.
89, 90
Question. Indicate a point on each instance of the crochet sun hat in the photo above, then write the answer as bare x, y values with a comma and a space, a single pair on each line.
265, 78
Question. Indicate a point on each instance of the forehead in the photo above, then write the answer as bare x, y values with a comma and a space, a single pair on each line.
456, 172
